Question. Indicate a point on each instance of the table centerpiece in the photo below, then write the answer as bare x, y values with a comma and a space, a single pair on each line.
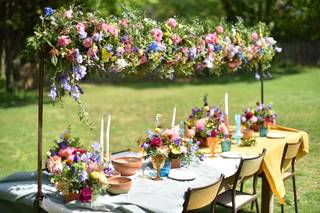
77, 173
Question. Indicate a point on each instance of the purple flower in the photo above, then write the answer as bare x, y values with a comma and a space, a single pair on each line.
75, 92
201, 157
243, 119
194, 148
124, 39
84, 176
178, 142
109, 48
195, 110
198, 142
97, 37
65, 83
135, 50
144, 146
78, 56
107, 170
79, 72
53, 92
217, 48
62, 145
190, 116
96, 147
86, 157
192, 53
82, 34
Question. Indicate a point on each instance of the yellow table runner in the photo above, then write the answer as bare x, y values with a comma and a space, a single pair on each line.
272, 160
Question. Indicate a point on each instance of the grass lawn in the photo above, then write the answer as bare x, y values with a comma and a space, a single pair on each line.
295, 97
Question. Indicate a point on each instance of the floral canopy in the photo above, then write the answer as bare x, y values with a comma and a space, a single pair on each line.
76, 43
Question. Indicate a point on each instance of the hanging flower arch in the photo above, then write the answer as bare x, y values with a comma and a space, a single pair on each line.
75, 43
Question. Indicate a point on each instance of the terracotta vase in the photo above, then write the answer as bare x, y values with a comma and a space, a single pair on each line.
70, 197
212, 142
247, 133
175, 163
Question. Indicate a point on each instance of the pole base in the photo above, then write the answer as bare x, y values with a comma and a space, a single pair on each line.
37, 203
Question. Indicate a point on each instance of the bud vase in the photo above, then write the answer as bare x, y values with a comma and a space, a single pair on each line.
263, 131
165, 170
225, 145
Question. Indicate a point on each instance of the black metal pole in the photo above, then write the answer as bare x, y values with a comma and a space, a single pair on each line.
39, 195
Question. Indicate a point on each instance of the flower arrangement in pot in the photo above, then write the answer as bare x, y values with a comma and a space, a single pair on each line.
208, 123
259, 119
77, 173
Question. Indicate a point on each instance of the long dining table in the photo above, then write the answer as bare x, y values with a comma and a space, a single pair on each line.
18, 191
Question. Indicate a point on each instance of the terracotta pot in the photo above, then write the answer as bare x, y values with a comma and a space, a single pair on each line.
119, 185
175, 163
127, 166
203, 142
247, 133
255, 127
70, 197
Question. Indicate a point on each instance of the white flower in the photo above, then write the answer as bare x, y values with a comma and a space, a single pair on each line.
278, 49
208, 62
270, 41
121, 63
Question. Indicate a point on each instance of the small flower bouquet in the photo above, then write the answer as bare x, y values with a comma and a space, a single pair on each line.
207, 122
76, 172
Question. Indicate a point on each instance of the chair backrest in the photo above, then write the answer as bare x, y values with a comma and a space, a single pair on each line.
250, 166
196, 198
290, 152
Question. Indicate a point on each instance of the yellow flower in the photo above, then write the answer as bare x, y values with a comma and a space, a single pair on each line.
157, 130
140, 53
105, 55
113, 58
67, 136
95, 175
103, 179
207, 108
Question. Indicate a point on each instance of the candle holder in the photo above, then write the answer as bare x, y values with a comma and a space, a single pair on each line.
157, 163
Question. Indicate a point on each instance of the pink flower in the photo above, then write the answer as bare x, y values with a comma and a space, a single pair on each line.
172, 22
124, 22
53, 164
254, 36
175, 39
156, 142
223, 128
183, 149
92, 52
157, 34
211, 38
80, 26
175, 134
253, 119
66, 152
110, 29
143, 59
200, 124
91, 167
190, 133
214, 133
68, 14
70, 55
87, 42
63, 41
219, 29
85, 194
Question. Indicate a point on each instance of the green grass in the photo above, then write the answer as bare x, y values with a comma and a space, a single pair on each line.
295, 98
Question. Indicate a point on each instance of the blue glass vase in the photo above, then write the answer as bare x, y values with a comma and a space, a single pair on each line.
263, 131
225, 145
165, 170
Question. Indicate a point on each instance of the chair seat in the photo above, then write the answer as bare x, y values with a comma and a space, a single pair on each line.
286, 175
241, 199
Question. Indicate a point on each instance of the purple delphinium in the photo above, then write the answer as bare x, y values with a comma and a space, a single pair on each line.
48, 11
192, 53
177, 142
109, 48
153, 47
65, 83
78, 56
135, 50
79, 72
62, 145
53, 92
96, 147
84, 176
75, 92
107, 170
144, 145
82, 34
97, 37
86, 157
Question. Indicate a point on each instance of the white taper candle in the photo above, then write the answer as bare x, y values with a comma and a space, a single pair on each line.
101, 136
108, 138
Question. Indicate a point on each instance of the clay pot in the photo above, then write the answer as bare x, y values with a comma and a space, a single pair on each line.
70, 197
175, 163
119, 185
127, 166
247, 133
255, 127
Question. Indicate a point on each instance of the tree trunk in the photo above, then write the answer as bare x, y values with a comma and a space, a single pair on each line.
8, 52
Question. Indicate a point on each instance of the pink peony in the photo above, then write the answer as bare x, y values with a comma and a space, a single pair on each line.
157, 34
68, 14
253, 119
175, 39
85, 194
200, 124
110, 29
172, 22
211, 38
219, 29
156, 142
254, 36
66, 152
175, 134
80, 26
63, 41
87, 42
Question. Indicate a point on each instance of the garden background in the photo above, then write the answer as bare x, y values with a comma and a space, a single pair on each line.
294, 88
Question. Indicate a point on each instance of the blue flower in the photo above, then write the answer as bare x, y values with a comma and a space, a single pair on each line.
153, 47
192, 53
242, 58
97, 37
82, 34
79, 72
217, 48
150, 134
178, 142
62, 145
48, 11
65, 83
53, 92
78, 56
96, 147
75, 92
86, 157
109, 48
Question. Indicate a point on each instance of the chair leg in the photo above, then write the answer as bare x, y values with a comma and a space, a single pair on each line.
295, 193
241, 187
257, 206
213, 206
282, 208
